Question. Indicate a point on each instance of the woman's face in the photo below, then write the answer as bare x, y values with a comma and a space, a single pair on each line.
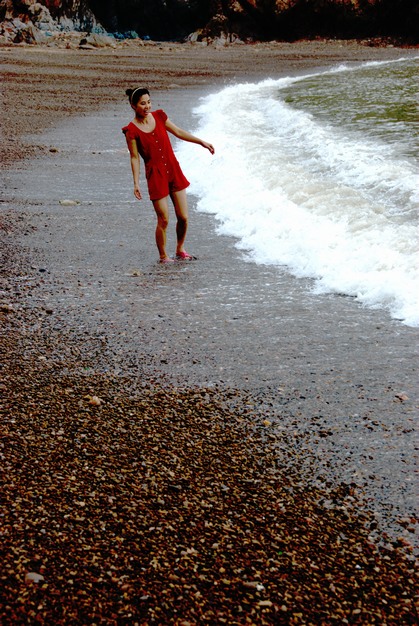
143, 106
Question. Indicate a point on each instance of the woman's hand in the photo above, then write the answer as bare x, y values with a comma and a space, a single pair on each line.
208, 146
137, 192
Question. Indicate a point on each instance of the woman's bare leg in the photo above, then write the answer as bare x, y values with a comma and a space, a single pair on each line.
161, 208
181, 209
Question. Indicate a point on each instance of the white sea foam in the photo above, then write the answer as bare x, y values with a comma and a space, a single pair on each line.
297, 191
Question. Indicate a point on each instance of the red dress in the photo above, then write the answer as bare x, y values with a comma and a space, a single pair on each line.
162, 169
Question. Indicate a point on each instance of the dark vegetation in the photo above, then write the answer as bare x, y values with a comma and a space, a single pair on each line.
264, 20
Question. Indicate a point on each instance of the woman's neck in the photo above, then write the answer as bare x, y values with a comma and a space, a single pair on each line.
144, 120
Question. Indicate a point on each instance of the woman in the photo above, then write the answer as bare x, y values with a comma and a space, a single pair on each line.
147, 137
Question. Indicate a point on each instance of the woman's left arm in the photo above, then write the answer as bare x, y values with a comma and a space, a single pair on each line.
185, 136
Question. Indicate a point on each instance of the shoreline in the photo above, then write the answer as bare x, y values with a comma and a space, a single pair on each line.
170, 426
46, 85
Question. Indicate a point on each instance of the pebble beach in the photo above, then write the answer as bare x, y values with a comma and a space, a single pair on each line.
178, 446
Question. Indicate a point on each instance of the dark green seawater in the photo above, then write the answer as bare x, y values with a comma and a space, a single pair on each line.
377, 100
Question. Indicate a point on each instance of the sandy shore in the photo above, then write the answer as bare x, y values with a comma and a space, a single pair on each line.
169, 457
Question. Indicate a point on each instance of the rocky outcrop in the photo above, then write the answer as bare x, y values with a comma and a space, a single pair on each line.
33, 22
221, 21
72, 14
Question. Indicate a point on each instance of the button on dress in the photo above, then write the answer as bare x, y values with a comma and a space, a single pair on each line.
162, 169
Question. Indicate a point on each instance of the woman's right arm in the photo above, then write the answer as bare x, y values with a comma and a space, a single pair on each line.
135, 166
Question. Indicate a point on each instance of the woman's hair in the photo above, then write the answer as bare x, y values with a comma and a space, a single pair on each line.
135, 94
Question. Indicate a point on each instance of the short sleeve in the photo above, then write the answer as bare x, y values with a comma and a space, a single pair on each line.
161, 115
125, 130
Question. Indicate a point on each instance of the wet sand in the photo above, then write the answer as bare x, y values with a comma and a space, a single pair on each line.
213, 403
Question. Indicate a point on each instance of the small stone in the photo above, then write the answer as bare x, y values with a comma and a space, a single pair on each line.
6, 307
254, 584
68, 202
33, 577
94, 400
